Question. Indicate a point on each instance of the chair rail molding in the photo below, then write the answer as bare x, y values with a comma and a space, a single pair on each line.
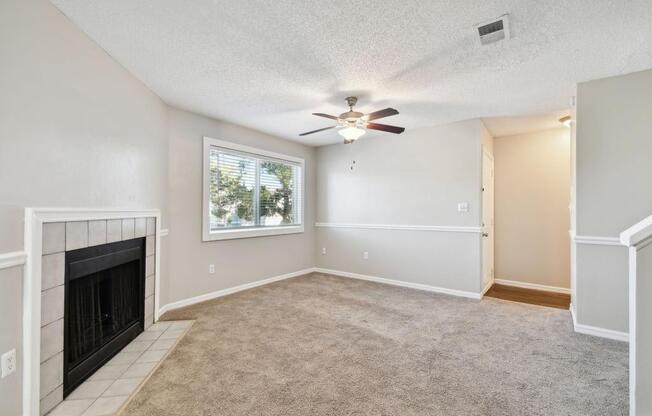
636, 238
402, 227
596, 240
12, 259
33, 238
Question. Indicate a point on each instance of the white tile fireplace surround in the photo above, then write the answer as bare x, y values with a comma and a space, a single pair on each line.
49, 234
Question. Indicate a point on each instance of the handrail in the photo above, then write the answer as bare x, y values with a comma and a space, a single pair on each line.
638, 233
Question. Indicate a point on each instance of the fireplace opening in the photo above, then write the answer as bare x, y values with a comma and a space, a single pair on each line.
104, 306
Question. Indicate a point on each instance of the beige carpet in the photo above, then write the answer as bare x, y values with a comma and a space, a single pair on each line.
324, 345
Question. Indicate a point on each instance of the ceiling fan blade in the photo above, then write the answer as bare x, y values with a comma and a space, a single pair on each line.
318, 130
386, 127
325, 115
382, 113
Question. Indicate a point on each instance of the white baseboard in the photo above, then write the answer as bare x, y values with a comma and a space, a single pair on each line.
223, 292
534, 286
596, 331
400, 283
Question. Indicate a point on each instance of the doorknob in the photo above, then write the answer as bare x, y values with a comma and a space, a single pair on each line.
485, 234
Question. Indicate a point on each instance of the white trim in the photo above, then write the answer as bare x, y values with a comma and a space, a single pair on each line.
260, 231
90, 214
13, 259
34, 220
596, 240
488, 286
403, 227
165, 232
638, 233
534, 286
247, 232
596, 331
632, 296
400, 283
223, 292
32, 314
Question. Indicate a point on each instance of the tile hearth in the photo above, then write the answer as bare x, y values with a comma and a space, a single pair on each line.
111, 387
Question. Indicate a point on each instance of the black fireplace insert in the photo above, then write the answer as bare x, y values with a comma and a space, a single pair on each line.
104, 301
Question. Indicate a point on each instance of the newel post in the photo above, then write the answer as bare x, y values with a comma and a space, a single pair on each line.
638, 239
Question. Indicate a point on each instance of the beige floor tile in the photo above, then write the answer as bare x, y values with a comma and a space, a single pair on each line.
180, 324
162, 344
160, 326
105, 406
122, 387
137, 346
172, 333
138, 370
90, 390
148, 336
124, 358
71, 407
151, 356
109, 372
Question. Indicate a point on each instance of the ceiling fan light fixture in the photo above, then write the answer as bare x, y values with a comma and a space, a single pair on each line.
351, 133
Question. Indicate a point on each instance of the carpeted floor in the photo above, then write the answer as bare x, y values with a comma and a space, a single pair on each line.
324, 345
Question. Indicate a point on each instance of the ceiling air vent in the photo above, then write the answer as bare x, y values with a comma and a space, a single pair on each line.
492, 31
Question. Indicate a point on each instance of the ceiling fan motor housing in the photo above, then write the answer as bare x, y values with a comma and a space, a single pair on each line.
351, 115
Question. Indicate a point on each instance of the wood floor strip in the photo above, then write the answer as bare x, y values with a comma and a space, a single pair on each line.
530, 296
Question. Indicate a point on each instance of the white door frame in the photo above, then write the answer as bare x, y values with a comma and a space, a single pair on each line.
484, 287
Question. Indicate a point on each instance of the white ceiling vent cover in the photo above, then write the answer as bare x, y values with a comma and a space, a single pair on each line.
493, 30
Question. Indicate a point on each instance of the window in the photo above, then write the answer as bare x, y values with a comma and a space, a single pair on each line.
250, 192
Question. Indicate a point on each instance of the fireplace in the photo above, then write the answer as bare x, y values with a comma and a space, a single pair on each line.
104, 305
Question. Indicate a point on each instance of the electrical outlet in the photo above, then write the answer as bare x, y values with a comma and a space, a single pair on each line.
463, 207
8, 363
365, 255
211, 268
323, 251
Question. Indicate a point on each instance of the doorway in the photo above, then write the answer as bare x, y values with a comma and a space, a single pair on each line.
525, 217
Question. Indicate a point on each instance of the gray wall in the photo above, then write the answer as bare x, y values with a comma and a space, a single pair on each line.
236, 261
416, 178
11, 282
532, 180
74, 124
614, 144
74, 127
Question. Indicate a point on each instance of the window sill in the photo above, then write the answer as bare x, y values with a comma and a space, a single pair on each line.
251, 232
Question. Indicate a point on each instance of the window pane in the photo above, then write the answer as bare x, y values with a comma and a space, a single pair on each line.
232, 185
277, 187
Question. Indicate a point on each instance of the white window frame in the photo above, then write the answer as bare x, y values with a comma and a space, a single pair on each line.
246, 232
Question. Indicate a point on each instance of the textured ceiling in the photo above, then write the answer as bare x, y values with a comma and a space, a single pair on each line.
511, 125
269, 64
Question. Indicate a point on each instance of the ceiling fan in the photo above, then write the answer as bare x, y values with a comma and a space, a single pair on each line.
354, 123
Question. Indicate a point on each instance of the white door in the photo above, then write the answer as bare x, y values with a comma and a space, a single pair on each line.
487, 219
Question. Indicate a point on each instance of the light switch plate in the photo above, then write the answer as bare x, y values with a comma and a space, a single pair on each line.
8, 363
463, 207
